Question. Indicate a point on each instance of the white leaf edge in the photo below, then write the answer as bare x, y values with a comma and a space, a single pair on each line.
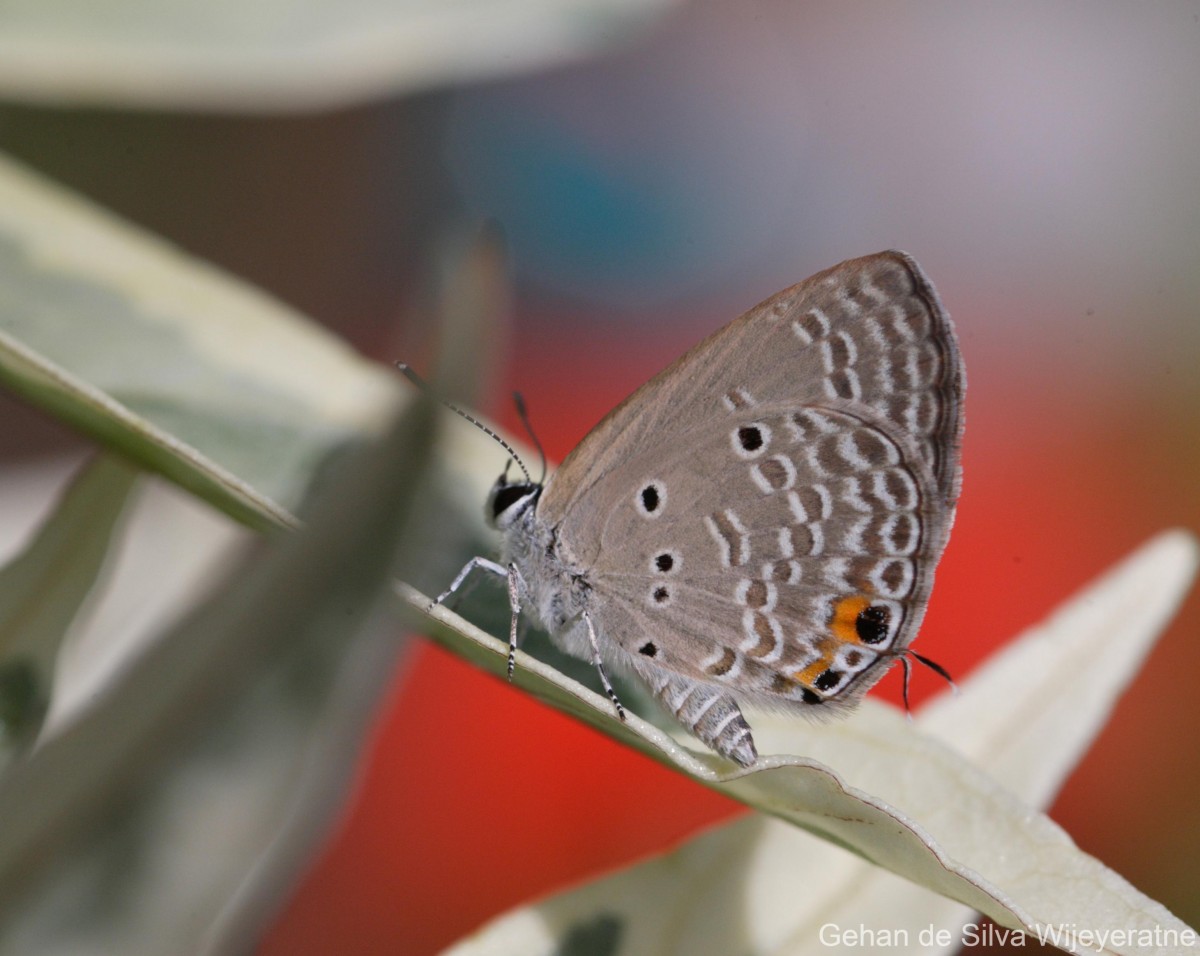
994, 852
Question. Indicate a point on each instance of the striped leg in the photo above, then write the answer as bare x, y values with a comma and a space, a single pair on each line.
608, 688
516, 586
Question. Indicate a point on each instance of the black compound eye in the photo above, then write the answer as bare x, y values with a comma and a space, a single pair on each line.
509, 495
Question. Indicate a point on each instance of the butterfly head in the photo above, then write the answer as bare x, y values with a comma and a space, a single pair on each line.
508, 501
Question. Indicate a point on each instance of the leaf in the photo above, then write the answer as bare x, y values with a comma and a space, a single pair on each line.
290, 54
43, 589
1042, 700
183, 369
171, 551
897, 799
191, 790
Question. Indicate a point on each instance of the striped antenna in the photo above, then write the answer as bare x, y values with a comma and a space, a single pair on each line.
407, 371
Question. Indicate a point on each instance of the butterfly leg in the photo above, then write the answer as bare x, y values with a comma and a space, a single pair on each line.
482, 563
712, 716
516, 585
608, 687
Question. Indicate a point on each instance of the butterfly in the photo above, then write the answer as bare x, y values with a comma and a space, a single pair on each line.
760, 522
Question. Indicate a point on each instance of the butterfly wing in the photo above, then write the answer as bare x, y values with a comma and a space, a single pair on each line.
766, 514
870, 331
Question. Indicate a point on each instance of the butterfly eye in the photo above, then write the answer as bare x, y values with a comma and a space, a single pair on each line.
504, 498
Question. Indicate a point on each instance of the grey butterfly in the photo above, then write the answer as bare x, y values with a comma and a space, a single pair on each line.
761, 521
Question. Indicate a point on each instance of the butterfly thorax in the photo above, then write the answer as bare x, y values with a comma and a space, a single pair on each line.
555, 590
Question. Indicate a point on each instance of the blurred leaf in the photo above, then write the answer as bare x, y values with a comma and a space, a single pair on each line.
891, 795
167, 817
290, 54
182, 368
42, 590
171, 551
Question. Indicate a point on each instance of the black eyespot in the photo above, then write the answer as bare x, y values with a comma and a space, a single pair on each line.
810, 698
648, 649
828, 680
507, 496
871, 625
650, 499
664, 562
661, 594
750, 437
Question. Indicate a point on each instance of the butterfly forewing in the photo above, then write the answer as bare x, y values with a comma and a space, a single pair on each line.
871, 328
766, 514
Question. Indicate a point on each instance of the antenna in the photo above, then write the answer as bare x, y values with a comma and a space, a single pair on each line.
524, 413
406, 370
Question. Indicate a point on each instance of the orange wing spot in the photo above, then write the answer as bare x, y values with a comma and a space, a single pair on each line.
808, 676
845, 617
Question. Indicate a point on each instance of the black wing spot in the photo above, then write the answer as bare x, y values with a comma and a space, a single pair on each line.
750, 437
872, 622
651, 500
828, 680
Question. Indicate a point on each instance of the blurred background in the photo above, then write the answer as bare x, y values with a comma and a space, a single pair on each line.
1041, 161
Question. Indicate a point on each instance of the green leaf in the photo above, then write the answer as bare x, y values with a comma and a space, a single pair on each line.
289, 54
167, 817
895, 797
43, 589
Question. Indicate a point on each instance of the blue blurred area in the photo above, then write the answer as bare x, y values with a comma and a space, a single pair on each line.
577, 223
658, 177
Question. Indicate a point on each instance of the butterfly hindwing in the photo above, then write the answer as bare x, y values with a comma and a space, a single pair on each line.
795, 571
